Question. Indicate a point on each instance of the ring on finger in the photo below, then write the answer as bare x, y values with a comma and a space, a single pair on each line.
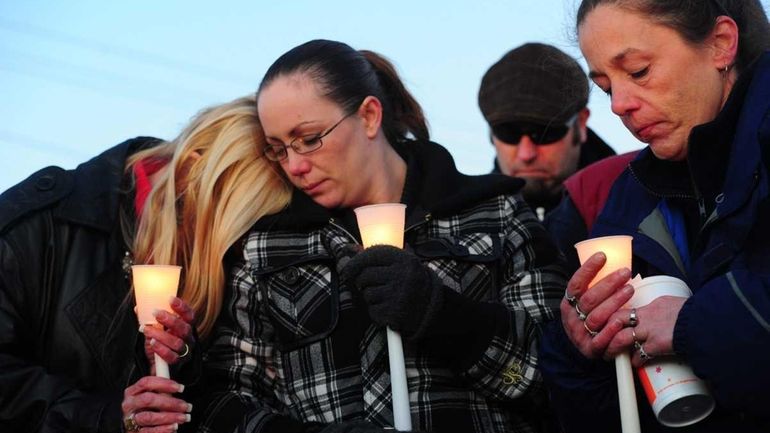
572, 300
633, 320
186, 351
581, 315
637, 345
130, 424
644, 355
591, 332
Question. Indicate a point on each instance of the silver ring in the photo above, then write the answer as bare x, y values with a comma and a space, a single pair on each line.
186, 351
644, 355
632, 319
591, 332
572, 300
637, 345
581, 315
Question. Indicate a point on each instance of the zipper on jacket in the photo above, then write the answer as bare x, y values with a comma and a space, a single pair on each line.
344, 230
704, 218
424, 221
698, 197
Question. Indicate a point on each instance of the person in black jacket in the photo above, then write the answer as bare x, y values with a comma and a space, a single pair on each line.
67, 326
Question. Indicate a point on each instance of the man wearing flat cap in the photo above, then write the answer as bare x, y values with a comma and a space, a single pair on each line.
534, 100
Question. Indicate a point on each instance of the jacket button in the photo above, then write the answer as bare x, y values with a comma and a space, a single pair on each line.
290, 275
45, 183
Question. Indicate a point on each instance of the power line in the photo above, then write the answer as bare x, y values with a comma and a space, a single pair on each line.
26, 142
125, 52
134, 87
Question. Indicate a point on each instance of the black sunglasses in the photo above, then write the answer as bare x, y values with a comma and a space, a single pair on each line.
511, 132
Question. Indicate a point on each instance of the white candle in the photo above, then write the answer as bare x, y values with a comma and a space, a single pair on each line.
383, 224
154, 285
617, 249
619, 253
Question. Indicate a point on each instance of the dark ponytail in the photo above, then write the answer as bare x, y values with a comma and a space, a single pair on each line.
347, 77
405, 113
694, 20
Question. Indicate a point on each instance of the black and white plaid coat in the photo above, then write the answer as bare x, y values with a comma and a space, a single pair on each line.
294, 340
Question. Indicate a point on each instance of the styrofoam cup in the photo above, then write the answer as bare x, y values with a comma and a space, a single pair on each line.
678, 397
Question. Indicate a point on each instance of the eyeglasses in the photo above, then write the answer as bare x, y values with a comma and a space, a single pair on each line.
300, 145
511, 133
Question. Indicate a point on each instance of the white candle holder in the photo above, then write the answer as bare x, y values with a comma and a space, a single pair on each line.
383, 224
618, 251
154, 285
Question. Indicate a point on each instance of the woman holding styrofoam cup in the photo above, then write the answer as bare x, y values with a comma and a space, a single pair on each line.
678, 397
684, 77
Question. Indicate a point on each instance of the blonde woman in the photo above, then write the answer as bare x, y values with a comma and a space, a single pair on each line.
66, 330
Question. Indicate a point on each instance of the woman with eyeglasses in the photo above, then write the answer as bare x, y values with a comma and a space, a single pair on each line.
692, 80
302, 347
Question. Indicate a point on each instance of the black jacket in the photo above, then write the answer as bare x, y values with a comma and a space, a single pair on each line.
67, 329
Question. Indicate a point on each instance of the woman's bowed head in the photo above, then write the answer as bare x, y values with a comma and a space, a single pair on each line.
665, 66
665, 75
212, 186
328, 111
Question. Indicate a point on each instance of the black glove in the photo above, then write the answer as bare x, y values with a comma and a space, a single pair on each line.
399, 291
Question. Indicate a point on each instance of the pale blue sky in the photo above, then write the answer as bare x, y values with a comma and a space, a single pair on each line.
77, 77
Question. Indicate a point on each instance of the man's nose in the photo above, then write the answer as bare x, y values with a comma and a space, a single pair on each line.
526, 149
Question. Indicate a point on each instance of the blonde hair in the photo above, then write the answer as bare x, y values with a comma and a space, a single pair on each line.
215, 186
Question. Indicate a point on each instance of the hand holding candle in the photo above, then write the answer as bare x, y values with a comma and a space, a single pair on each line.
383, 224
154, 285
617, 250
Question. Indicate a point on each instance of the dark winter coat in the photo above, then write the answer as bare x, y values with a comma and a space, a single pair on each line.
66, 332
714, 233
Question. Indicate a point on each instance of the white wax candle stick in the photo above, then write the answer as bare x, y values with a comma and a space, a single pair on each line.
629, 412
161, 367
402, 418
383, 224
